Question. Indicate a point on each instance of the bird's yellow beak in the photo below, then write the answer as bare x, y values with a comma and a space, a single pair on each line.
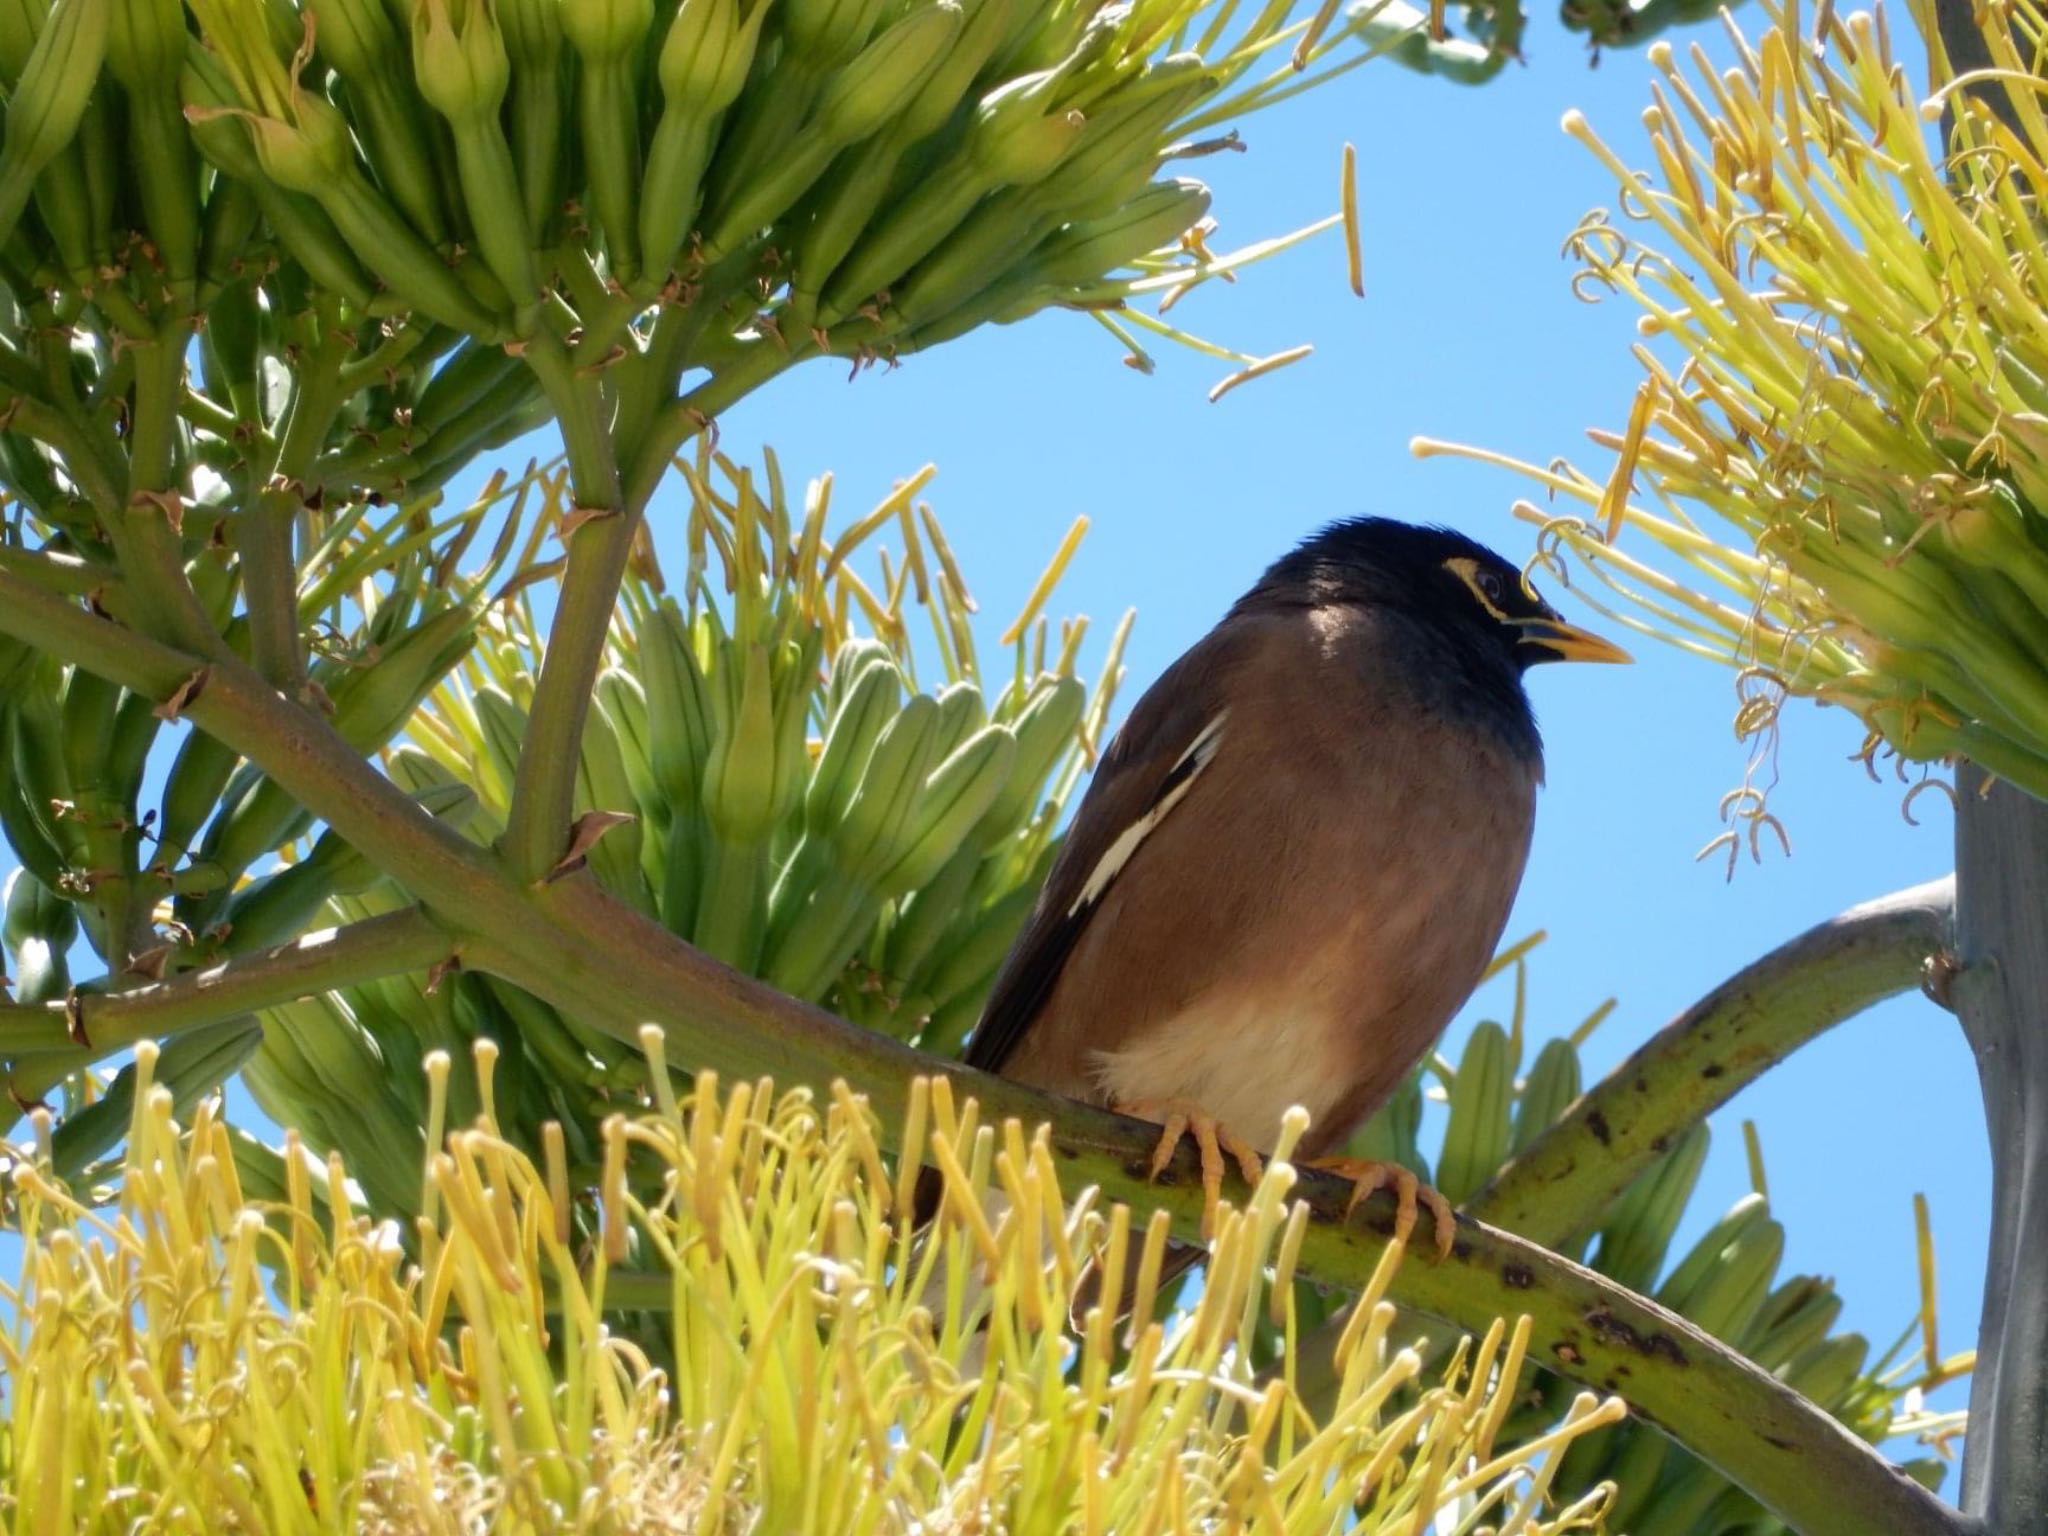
1556, 640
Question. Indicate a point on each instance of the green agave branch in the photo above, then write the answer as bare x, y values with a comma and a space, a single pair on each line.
1554, 1189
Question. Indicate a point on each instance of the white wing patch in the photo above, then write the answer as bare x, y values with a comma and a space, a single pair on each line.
1180, 778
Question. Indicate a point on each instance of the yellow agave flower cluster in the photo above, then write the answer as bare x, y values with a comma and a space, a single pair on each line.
1845, 347
231, 1347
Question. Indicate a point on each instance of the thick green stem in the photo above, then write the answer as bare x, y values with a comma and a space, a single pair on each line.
159, 390
94, 460
146, 541
1566, 1180
574, 946
314, 962
57, 571
675, 424
264, 531
537, 829
38, 419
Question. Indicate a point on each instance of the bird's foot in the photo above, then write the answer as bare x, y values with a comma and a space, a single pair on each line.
1409, 1193
1181, 1118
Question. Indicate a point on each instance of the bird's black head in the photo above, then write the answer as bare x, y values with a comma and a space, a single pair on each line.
1471, 624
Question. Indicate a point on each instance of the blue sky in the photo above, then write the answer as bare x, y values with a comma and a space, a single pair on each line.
1469, 331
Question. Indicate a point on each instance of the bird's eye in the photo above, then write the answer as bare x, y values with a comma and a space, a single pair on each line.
1486, 586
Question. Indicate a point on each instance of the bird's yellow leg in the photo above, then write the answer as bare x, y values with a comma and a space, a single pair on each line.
1181, 1118
1409, 1193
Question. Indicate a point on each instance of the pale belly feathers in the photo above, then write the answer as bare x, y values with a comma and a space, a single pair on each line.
1244, 1063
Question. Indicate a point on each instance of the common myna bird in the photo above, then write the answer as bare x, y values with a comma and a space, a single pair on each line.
1296, 857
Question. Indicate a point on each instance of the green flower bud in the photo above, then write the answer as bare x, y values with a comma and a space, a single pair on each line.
372, 703
240, 34
355, 36
702, 70
823, 33
459, 56
882, 80
739, 778
302, 140
1120, 147
1072, 38
56, 82
34, 911
146, 47
209, 97
307, 153
21, 23
1090, 250
606, 34
534, 118
987, 23
707, 53
957, 794
606, 29
146, 43
533, 31
1045, 729
1012, 141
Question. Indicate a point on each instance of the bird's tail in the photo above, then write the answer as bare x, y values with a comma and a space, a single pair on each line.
929, 1194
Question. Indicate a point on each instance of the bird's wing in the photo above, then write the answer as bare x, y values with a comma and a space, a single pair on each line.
1147, 771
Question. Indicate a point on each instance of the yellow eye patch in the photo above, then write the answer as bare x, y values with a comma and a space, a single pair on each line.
1466, 569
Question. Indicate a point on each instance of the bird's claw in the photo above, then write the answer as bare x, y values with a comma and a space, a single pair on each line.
1212, 1139
1368, 1177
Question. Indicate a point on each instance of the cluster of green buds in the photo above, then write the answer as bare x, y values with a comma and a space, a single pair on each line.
1845, 355
455, 184
801, 771
1498, 1096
